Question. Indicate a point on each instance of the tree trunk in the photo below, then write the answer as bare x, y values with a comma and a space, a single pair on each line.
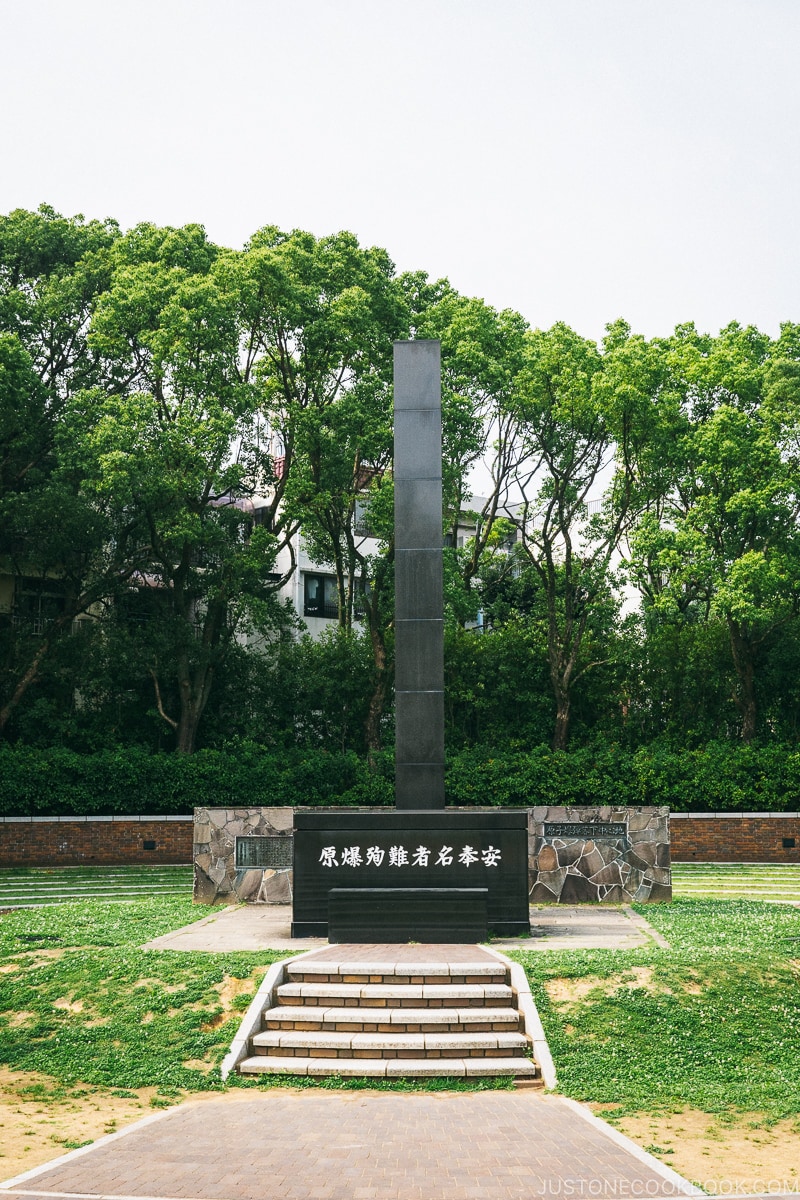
561, 730
29, 677
744, 661
377, 701
194, 682
194, 689
31, 673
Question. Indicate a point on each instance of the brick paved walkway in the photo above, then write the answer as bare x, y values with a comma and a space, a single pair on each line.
360, 1146
403, 952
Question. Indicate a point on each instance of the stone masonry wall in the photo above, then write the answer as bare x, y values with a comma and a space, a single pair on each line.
216, 877
561, 869
591, 854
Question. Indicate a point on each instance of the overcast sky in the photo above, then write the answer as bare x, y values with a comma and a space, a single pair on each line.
577, 160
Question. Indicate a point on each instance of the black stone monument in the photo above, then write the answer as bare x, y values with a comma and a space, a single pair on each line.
418, 873
418, 614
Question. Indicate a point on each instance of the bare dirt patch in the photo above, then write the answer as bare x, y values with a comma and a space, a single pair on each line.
72, 1006
40, 1121
573, 991
724, 1152
228, 990
19, 1020
231, 986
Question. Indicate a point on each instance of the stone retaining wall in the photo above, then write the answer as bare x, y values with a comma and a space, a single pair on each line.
216, 876
605, 855
613, 856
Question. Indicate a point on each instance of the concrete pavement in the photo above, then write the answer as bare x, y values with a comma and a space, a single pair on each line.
557, 927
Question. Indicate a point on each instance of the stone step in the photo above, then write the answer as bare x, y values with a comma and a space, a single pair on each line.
326, 1044
390, 1068
393, 995
396, 973
389, 1018
359, 1019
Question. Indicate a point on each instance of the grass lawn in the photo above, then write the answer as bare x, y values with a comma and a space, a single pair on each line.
80, 1001
29, 886
736, 881
713, 1022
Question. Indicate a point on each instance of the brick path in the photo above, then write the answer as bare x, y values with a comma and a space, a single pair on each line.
402, 952
359, 1146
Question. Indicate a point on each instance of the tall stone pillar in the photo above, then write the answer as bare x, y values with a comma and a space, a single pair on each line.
419, 626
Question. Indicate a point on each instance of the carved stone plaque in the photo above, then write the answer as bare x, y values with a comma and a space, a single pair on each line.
587, 829
274, 853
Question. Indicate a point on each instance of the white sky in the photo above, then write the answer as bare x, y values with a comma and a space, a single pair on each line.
577, 160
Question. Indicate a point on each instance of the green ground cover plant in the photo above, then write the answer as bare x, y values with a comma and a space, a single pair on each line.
713, 1022
81, 1001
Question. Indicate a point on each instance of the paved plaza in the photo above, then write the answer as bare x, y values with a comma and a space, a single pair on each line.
554, 927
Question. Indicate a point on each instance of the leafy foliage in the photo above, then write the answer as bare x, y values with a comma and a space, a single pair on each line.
174, 413
717, 777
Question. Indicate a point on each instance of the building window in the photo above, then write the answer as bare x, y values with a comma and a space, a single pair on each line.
361, 523
319, 596
37, 602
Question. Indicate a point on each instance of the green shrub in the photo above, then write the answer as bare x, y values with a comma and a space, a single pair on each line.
59, 782
717, 777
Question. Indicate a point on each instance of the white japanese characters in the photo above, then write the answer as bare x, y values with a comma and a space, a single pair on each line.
399, 856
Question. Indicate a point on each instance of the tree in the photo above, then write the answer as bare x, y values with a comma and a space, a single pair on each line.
58, 550
325, 375
720, 539
580, 414
483, 353
174, 437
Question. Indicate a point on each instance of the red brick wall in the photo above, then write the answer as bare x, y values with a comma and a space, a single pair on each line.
72, 842
84, 841
723, 837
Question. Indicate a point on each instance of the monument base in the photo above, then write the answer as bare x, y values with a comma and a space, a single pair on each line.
407, 915
419, 875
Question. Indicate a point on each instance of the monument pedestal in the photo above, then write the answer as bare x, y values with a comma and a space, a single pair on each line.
405, 875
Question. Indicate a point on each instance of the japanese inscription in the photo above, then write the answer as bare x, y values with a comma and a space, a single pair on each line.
401, 856
587, 829
266, 852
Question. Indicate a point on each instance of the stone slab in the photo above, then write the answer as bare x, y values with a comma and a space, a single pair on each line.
559, 927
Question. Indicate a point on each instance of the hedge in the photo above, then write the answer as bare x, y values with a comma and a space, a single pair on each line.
719, 777
716, 778
58, 782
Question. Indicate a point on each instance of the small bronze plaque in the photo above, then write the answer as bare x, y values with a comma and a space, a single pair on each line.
586, 829
274, 853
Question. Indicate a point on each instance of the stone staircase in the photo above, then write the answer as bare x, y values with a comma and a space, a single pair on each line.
392, 1019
